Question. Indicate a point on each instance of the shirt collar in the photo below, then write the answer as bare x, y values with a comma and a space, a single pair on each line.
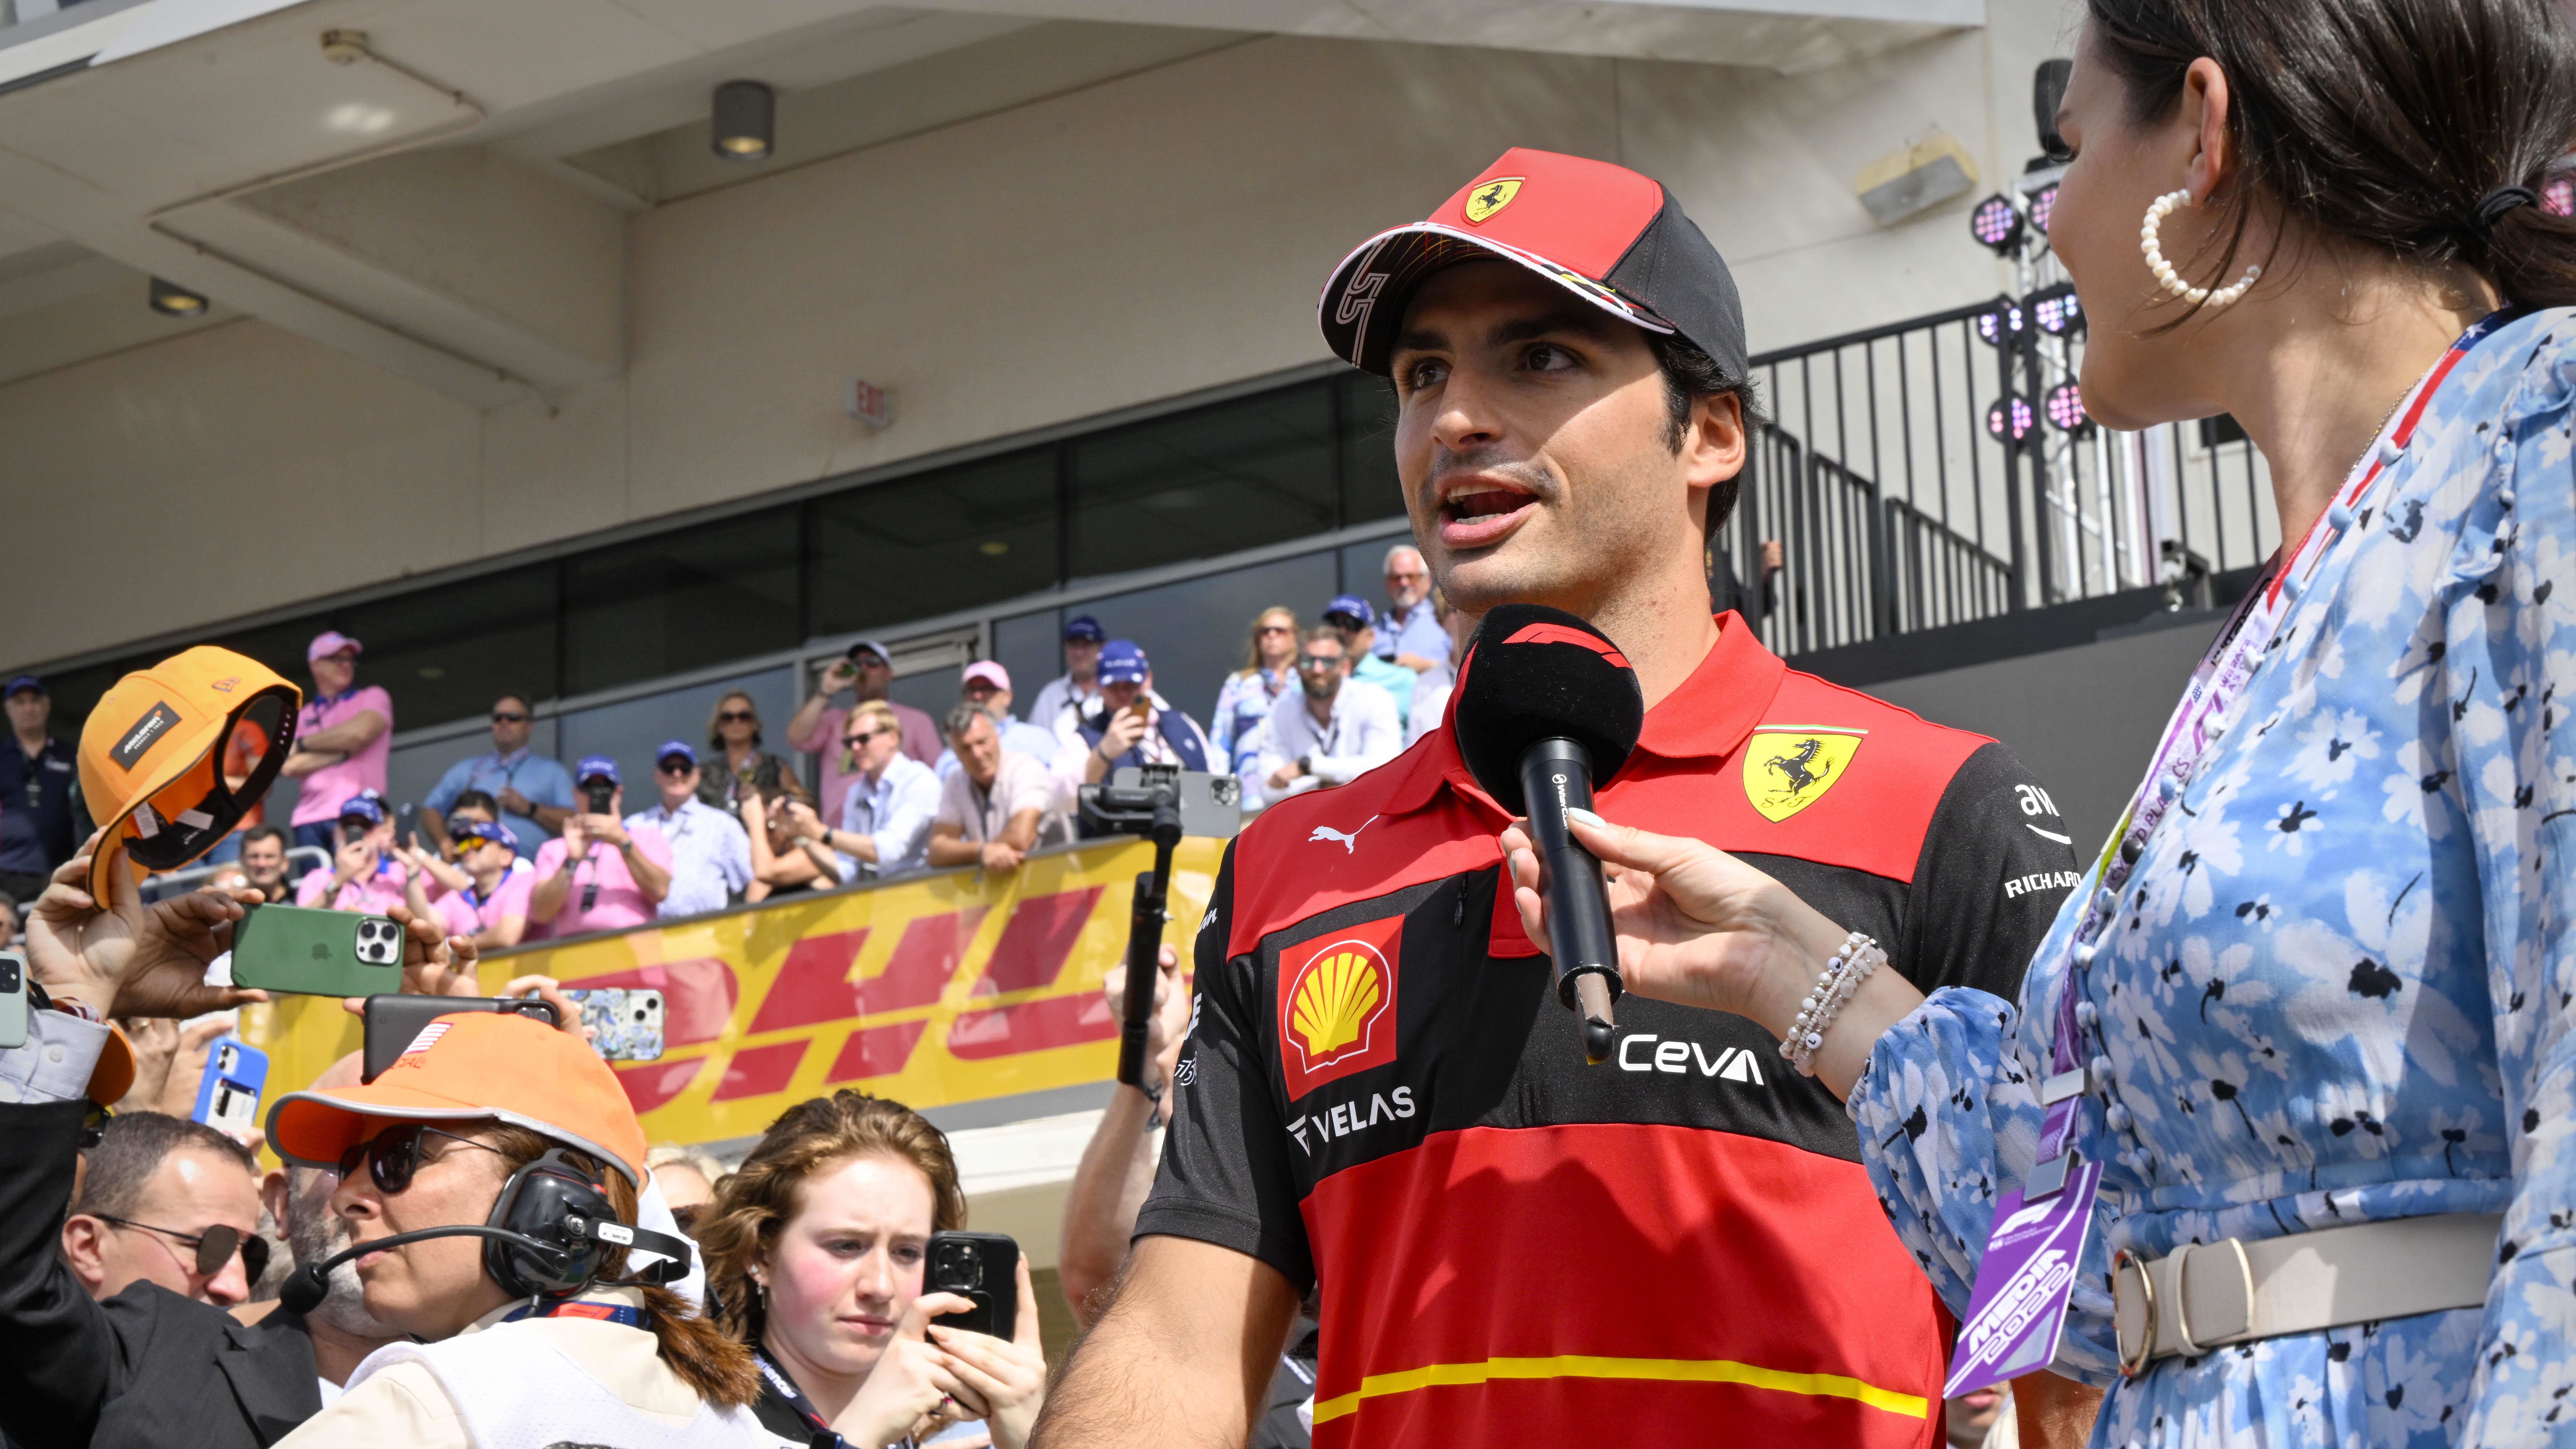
1711, 714
512, 758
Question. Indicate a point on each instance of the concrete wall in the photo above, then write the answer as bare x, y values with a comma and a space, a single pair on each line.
2083, 719
1133, 241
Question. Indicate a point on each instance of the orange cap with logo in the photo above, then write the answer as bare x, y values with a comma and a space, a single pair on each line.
151, 757
473, 1064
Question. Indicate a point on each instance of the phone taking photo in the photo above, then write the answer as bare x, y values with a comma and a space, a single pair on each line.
228, 1094
394, 1022
13, 998
599, 795
315, 952
982, 1268
625, 1022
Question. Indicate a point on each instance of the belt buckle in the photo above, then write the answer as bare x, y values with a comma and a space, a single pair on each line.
2132, 1365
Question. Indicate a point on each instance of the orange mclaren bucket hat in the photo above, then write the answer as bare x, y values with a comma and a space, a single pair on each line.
151, 757
474, 1064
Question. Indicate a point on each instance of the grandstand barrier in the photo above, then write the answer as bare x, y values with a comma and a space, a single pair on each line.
936, 990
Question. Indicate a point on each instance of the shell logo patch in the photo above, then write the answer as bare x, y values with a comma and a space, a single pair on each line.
1788, 768
1337, 1004
1490, 197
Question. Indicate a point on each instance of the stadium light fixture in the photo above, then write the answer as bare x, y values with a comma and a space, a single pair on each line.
1996, 224
2042, 203
2002, 325
746, 121
2009, 419
2064, 405
2055, 310
172, 300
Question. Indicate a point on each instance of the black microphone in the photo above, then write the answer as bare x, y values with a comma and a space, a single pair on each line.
1547, 709
308, 1285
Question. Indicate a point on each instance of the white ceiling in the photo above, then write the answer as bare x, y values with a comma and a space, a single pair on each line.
212, 142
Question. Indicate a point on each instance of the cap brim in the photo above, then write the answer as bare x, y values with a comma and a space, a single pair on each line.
1359, 319
113, 1076
312, 1129
111, 849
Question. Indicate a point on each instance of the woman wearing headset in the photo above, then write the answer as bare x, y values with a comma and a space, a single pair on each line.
815, 1248
497, 1120
2296, 1056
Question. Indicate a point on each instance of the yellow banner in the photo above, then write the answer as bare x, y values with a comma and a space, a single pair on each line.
948, 988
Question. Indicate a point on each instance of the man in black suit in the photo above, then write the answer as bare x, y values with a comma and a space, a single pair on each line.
146, 1367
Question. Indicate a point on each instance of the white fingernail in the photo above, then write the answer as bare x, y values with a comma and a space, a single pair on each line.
1588, 818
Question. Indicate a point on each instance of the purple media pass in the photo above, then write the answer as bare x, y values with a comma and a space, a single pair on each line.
2018, 1310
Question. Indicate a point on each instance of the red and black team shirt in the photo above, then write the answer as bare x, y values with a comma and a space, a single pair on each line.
1381, 1092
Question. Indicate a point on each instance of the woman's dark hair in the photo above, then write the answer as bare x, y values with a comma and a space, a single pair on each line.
2386, 123
715, 1365
755, 1202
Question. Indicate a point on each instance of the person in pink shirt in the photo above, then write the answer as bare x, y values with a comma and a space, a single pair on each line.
868, 671
341, 739
364, 876
492, 907
602, 874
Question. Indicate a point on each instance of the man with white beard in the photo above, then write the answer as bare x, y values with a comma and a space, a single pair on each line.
341, 1328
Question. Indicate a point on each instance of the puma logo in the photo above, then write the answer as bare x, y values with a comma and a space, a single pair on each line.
1348, 843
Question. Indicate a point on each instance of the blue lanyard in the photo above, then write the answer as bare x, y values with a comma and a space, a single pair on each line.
631, 1316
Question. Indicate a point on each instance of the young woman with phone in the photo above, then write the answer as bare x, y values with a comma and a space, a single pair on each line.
815, 1249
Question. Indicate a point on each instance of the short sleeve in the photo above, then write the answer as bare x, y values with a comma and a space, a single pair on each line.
1225, 1175
450, 785
1995, 865
551, 786
550, 859
374, 697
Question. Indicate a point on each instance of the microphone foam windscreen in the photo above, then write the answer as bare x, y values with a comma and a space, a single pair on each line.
1537, 673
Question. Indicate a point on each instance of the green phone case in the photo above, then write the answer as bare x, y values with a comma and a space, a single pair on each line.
317, 953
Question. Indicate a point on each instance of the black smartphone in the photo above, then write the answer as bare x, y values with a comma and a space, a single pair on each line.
600, 793
394, 1022
403, 827
983, 1268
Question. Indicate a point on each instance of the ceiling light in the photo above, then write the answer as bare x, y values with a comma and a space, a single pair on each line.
172, 300
2055, 309
746, 121
2065, 407
2009, 419
1996, 223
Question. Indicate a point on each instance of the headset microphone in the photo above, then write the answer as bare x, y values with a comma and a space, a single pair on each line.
1547, 710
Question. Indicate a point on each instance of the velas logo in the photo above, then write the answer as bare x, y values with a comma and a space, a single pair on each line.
1562, 634
142, 735
1490, 197
1337, 1004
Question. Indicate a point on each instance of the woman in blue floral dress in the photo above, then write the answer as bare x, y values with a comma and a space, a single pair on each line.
2322, 976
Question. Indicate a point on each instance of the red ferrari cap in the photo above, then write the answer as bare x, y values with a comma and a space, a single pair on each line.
1608, 235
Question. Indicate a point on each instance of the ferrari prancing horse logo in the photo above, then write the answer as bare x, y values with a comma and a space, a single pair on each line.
1490, 197
1788, 769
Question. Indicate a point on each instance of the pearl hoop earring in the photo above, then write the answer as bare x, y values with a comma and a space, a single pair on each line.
2153, 246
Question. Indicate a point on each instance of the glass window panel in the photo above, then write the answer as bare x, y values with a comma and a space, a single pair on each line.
1369, 486
684, 600
446, 653
1234, 475
918, 547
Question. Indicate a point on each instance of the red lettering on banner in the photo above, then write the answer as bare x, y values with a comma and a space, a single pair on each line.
813, 983
1032, 1026
1037, 941
922, 962
697, 996
759, 1071
655, 1083
877, 1051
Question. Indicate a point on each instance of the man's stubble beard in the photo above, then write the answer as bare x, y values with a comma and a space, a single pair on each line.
314, 1233
1583, 554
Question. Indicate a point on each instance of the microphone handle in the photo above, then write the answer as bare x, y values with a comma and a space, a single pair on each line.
1556, 776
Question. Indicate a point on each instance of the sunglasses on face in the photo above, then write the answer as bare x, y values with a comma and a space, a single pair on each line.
503, 716
215, 1246
1275, 629
1319, 661
737, 716
861, 738
675, 768
394, 1155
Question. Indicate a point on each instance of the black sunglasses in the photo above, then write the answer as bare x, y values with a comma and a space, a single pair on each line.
737, 716
394, 1155
1320, 661
215, 1246
503, 716
675, 767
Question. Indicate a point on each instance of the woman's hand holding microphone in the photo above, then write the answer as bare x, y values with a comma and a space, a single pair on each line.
1699, 927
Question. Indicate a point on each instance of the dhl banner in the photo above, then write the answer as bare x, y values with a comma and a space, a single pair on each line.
948, 988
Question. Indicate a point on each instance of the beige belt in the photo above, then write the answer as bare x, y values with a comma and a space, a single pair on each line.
2232, 1291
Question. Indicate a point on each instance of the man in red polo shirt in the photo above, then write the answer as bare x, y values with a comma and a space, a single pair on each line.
1380, 1095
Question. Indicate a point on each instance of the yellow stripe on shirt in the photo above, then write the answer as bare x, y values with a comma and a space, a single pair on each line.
1587, 1366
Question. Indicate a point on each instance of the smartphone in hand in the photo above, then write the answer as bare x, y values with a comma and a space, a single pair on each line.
980, 1267
316, 952
394, 1022
228, 1094
625, 1022
13, 998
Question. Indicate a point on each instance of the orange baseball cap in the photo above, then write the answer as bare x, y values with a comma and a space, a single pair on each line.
151, 757
473, 1064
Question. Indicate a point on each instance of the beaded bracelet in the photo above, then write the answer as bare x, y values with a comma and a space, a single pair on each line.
1845, 970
